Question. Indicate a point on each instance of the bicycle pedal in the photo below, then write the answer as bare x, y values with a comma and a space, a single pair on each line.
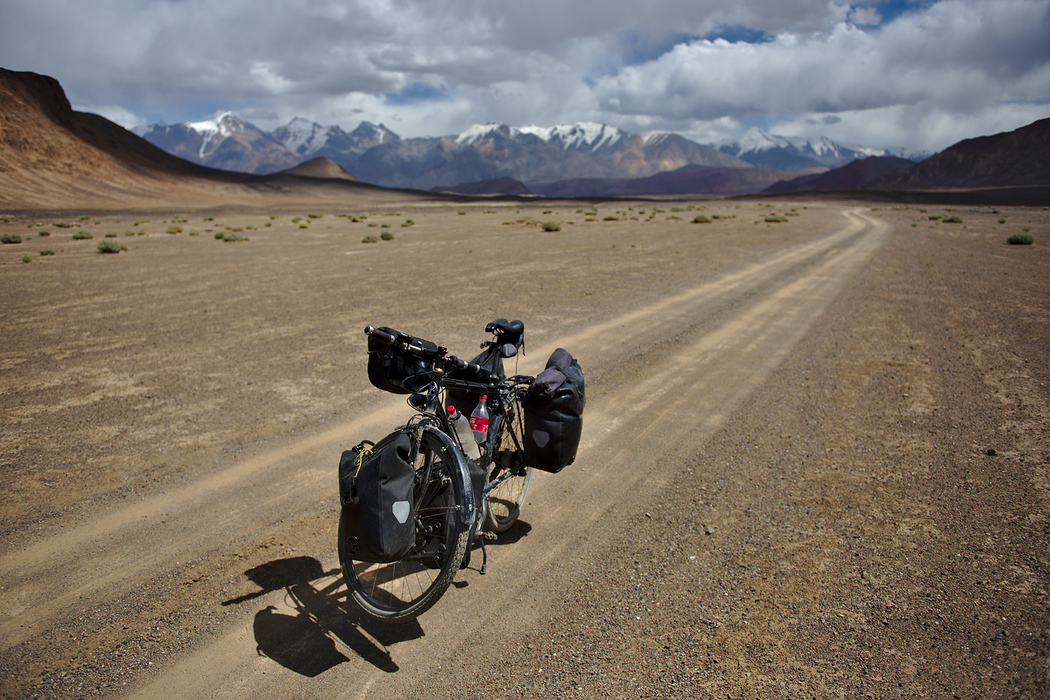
489, 536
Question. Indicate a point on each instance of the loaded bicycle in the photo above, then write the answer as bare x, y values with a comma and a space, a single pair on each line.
414, 503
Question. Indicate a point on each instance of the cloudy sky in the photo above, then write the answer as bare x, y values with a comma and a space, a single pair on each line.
917, 74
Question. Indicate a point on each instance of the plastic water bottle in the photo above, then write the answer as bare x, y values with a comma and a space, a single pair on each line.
479, 421
466, 439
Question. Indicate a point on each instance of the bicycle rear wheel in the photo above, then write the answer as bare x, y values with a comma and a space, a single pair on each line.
405, 588
506, 500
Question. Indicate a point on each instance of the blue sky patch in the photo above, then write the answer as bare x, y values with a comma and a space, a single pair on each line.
416, 93
892, 9
738, 33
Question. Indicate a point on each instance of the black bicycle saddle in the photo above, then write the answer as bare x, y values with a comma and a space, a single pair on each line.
504, 327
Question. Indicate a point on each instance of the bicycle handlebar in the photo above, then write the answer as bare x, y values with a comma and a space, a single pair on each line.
438, 355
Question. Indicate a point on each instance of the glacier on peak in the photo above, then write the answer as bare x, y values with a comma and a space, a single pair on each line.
223, 124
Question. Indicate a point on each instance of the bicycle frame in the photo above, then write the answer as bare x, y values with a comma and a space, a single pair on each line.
500, 394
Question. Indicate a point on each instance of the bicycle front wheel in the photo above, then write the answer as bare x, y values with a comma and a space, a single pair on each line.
507, 499
403, 589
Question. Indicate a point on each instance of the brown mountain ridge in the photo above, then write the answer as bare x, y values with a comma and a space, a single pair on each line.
53, 157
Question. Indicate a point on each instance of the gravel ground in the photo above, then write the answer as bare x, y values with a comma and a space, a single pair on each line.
783, 493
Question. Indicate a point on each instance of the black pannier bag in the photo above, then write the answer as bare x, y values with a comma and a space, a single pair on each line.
375, 491
393, 369
553, 408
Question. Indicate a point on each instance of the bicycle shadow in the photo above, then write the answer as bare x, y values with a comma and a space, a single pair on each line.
306, 641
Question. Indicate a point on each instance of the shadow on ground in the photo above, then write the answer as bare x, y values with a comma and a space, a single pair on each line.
305, 642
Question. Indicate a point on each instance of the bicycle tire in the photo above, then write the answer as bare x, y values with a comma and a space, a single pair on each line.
403, 589
506, 500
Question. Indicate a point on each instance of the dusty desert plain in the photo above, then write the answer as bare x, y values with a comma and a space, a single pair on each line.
814, 460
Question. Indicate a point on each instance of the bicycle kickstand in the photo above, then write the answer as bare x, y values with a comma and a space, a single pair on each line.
484, 552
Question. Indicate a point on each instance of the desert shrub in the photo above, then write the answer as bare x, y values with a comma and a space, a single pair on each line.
1002, 221
407, 223
111, 235
370, 239
43, 234
10, 238
611, 218
47, 251
62, 224
219, 235
111, 246
774, 219
701, 219
1022, 237
551, 226
935, 217
26, 258
951, 220
230, 237
387, 235
82, 236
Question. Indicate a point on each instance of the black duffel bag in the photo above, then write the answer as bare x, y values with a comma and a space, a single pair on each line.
375, 491
553, 408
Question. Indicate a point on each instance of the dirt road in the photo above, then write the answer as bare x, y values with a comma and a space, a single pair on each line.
813, 461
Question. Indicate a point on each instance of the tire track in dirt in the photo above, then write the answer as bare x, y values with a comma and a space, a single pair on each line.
671, 402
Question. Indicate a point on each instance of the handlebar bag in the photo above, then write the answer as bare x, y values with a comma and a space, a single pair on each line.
375, 489
396, 370
553, 408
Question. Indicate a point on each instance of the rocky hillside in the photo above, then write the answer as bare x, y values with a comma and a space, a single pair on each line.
1010, 159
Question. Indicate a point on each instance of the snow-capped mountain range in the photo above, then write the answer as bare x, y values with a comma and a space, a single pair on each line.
582, 136
763, 149
533, 155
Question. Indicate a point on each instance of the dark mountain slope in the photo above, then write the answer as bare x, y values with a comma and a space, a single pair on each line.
852, 176
1010, 159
